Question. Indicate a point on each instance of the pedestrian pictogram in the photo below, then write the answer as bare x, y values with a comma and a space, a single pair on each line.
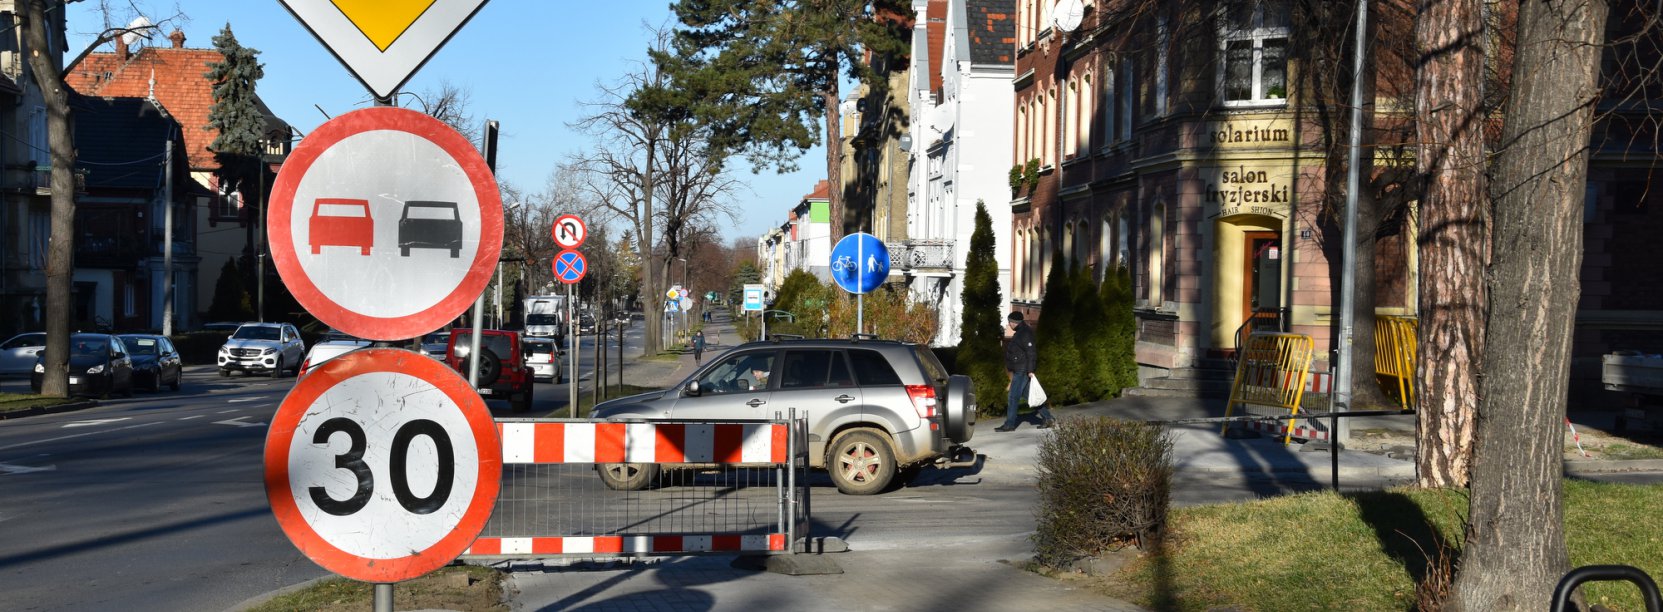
570, 266
382, 465
569, 231
383, 42
385, 223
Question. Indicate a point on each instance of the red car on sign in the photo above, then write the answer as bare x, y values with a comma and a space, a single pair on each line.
345, 223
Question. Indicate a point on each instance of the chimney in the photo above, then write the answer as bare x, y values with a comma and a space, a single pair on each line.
178, 38
121, 53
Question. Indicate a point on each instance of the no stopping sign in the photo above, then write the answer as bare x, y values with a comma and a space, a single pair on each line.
382, 465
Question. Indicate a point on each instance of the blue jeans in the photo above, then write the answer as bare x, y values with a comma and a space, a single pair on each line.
1018, 394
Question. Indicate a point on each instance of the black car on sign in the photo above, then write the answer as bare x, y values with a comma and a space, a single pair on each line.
98, 365
155, 362
430, 225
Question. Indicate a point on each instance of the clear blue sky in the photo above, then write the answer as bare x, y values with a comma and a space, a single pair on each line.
525, 63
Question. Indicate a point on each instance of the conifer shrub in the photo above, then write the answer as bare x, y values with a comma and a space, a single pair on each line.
1091, 331
981, 324
1121, 358
1059, 356
1104, 484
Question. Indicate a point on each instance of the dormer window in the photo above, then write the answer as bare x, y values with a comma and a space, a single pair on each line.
1254, 53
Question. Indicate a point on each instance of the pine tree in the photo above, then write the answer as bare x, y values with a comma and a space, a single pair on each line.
1059, 356
1091, 331
235, 114
1121, 337
230, 299
981, 328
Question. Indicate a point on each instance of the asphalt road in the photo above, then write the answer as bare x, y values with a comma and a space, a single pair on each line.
156, 502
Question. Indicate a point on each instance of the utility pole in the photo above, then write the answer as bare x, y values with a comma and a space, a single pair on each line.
167, 239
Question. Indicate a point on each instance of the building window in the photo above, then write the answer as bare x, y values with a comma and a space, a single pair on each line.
1123, 118
39, 147
1088, 113
1254, 52
1157, 252
1070, 124
1163, 40
1046, 141
1021, 132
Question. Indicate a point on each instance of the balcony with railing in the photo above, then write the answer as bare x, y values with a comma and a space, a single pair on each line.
922, 255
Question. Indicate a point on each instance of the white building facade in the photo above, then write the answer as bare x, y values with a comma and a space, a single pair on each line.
960, 148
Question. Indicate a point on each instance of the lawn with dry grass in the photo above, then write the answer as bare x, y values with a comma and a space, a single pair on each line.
1366, 551
464, 588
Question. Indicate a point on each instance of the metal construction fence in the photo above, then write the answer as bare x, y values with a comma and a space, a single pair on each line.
710, 487
1394, 356
1271, 372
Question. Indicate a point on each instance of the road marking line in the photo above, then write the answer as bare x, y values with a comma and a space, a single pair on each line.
194, 416
79, 435
10, 468
243, 399
227, 411
238, 422
91, 422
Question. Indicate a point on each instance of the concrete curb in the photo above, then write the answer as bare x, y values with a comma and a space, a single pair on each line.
40, 410
1577, 468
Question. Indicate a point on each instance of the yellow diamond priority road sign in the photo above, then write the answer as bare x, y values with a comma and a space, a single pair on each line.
383, 42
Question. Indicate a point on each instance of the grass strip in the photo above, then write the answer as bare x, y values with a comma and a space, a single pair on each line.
439, 590
12, 402
1366, 551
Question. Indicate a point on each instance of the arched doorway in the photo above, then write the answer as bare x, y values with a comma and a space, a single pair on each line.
1247, 291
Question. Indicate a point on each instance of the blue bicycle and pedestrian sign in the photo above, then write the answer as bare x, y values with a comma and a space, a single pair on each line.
570, 266
859, 263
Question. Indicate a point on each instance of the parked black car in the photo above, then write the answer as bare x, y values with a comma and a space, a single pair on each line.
155, 363
99, 364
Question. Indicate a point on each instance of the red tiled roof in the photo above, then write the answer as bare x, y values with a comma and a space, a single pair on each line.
180, 87
822, 191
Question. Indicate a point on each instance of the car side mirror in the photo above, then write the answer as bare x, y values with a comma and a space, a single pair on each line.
693, 389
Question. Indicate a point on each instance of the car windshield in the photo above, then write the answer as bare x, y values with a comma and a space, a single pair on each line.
541, 319
540, 348
430, 210
26, 341
497, 344
255, 333
141, 346
438, 338
89, 346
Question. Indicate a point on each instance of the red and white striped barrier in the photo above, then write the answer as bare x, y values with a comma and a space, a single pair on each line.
534, 442
1279, 427
1319, 382
640, 544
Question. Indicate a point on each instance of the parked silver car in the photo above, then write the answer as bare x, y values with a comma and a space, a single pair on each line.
327, 350
18, 353
877, 410
262, 347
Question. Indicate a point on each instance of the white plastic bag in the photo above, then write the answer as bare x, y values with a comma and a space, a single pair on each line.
1036, 393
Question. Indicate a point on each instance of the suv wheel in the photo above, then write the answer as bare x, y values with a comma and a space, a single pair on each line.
861, 463
224, 372
490, 367
277, 371
627, 476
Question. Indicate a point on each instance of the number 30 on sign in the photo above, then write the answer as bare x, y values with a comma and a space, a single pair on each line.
382, 465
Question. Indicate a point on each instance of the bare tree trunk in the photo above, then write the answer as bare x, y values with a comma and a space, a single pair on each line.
834, 163
60, 252
653, 334
1454, 234
1515, 545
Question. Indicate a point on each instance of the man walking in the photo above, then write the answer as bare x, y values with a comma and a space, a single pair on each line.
698, 347
1020, 358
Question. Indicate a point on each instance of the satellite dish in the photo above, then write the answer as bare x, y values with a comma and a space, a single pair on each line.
137, 29
1067, 14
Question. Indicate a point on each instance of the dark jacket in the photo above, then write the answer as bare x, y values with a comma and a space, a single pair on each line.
1020, 355
698, 342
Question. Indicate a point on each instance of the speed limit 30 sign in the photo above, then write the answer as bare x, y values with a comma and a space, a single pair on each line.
382, 465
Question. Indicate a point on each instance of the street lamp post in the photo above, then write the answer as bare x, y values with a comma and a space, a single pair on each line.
684, 291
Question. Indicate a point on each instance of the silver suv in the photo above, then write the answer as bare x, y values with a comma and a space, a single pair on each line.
262, 347
877, 410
